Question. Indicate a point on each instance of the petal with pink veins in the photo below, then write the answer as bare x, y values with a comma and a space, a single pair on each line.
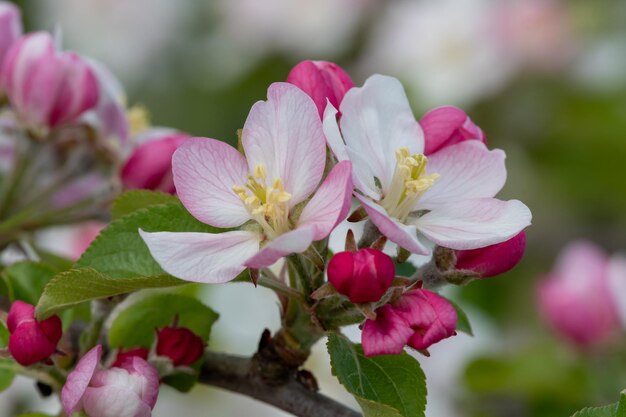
466, 170
205, 171
295, 241
447, 125
386, 335
78, 380
376, 121
401, 234
474, 223
114, 401
202, 257
149, 388
332, 133
285, 134
331, 202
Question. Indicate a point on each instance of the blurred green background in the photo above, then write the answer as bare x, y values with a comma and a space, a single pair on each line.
546, 81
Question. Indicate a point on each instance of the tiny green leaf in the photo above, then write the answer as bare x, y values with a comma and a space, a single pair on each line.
134, 200
462, 323
26, 280
7, 373
384, 386
76, 286
135, 325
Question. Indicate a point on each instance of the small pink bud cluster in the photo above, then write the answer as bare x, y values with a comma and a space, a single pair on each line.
30, 340
128, 390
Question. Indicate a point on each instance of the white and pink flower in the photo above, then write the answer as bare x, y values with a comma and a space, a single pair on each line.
130, 390
10, 27
446, 198
266, 192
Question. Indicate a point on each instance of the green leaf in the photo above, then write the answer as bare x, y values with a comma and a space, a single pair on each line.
134, 200
26, 280
7, 373
385, 385
120, 252
462, 323
606, 411
134, 326
4, 336
76, 286
621, 405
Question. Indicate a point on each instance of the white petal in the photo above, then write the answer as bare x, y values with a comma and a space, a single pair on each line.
474, 223
205, 171
402, 235
202, 257
285, 134
467, 170
376, 120
332, 133
295, 241
331, 202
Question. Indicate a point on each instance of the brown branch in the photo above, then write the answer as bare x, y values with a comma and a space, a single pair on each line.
233, 373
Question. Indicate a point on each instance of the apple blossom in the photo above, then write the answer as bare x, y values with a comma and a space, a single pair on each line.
447, 197
363, 276
46, 87
10, 27
130, 390
322, 81
419, 318
179, 344
286, 153
575, 297
30, 340
150, 164
494, 259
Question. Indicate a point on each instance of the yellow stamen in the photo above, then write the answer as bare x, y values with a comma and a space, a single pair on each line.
138, 119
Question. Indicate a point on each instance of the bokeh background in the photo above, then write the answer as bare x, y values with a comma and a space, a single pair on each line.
546, 81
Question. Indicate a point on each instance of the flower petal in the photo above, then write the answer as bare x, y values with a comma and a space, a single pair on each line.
376, 121
114, 401
466, 170
205, 171
332, 133
295, 241
202, 257
285, 134
617, 284
474, 223
78, 380
386, 335
149, 377
400, 234
447, 125
331, 202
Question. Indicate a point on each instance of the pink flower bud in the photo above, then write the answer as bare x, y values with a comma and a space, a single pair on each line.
321, 80
150, 165
179, 344
46, 87
448, 125
419, 318
130, 390
123, 355
576, 299
363, 276
10, 27
31, 341
495, 259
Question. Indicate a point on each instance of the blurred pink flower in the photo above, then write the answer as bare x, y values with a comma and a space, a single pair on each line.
150, 164
575, 298
31, 341
419, 318
46, 87
448, 197
363, 276
130, 390
322, 81
10, 27
285, 156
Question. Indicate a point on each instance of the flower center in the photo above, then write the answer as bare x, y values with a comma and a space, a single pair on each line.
268, 205
408, 184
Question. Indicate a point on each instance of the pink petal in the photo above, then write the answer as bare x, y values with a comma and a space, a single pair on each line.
78, 380
494, 259
376, 121
114, 401
581, 262
474, 223
447, 125
617, 285
285, 134
332, 133
202, 257
386, 335
149, 389
466, 170
10, 27
295, 241
205, 171
401, 234
331, 202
